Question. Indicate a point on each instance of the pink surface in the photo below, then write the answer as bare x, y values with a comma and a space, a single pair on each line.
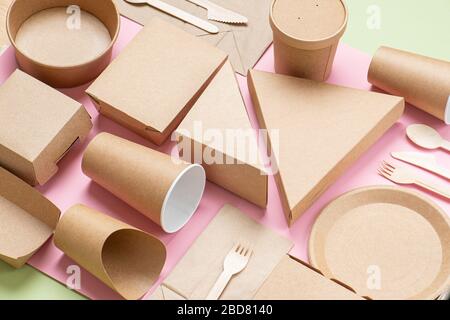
70, 186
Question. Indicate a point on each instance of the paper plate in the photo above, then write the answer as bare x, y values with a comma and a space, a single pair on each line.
385, 243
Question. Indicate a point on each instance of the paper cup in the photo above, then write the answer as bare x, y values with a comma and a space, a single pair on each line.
422, 81
166, 191
59, 45
306, 34
126, 259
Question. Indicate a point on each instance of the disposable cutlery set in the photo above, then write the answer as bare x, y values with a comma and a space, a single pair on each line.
427, 138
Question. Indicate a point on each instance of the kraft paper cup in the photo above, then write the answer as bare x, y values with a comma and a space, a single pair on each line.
76, 64
126, 259
306, 35
149, 181
423, 81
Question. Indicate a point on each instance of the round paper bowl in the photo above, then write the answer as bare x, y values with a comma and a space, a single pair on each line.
63, 76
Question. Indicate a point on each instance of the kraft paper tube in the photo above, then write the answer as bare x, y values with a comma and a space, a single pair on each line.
423, 81
306, 35
151, 182
126, 259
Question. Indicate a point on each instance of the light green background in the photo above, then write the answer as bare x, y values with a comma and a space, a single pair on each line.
415, 25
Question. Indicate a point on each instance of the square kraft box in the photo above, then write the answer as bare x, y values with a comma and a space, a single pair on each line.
151, 86
39, 126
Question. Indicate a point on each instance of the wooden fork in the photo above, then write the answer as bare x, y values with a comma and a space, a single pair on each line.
401, 175
235, 262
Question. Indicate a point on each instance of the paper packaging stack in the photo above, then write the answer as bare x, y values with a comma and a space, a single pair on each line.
244, 43
316, 142
423, 81
270, 274
156, 79
27, 220
51, 47
126, 259
166, 190
218, 134
39, 126
306, 35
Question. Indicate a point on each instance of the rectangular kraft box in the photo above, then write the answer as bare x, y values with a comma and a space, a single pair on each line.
39, 126
151, 86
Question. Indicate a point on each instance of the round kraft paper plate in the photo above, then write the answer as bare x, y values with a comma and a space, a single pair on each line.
385, 243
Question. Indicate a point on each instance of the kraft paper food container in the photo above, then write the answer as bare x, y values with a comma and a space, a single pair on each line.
126, 259
166, 191
306, 34
27, 220
293, 279
55, 47
39, 127
423, 81
151, 86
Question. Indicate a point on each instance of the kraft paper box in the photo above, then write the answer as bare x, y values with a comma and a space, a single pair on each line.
295, 280
199, 269
423, 81
39, 126
27, 220
154, 82
126, 259
217, 133
323, 129
244, 43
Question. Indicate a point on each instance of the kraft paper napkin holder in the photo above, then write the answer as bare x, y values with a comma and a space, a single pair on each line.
124, 258
221, 109
166, 190
69, 72
244, 44
40, 127
151, 86
313, 156
423, 81
27, 220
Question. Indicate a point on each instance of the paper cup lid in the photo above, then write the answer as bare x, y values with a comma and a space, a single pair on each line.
309, 24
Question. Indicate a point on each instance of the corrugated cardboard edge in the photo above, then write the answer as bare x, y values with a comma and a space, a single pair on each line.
253, 181
50, 215
376, 133
76, 129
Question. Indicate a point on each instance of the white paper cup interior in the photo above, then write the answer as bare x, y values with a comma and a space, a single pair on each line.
447, 112
183, 198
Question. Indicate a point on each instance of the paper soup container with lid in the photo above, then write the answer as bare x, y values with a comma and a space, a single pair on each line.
64, 43
306, 34
164, 190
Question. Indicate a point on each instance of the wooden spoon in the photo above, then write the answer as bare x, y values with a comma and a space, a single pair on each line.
426, 137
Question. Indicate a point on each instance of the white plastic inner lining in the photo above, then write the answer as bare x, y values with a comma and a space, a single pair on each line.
183, 198
447, 112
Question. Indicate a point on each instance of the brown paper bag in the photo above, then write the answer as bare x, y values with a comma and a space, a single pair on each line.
423, 81
164, 189
126, 259
27, 220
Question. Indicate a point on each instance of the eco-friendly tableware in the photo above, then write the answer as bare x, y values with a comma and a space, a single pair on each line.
424, 161
426, 137
303, 169
178, 13
306, 35
220, 14
235, 262
126, 259
423, 81
64, 43
384, 242
401, 175
166, 190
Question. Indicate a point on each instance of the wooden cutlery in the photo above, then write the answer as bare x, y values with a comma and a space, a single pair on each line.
424, 161
178, 13
426, 137
220, 14
401, 175
235, 262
